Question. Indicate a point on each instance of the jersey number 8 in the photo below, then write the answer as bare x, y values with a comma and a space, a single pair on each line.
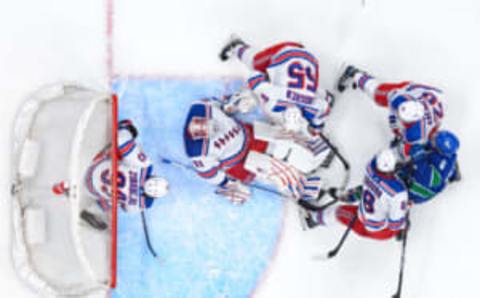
368, 201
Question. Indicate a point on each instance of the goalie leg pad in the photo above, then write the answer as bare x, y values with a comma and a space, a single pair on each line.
284, 176
308, 156
235, 192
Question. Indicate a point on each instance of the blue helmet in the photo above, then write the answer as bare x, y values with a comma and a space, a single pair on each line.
446, 142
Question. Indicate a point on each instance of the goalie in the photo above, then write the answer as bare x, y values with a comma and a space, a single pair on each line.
137, 186
231, 154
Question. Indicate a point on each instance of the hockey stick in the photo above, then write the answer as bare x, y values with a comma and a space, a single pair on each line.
147, 237
311, 207
335, 150
402, 259
191, 168
343, 160
332, 253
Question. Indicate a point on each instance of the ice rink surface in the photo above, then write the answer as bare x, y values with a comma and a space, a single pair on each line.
207, 247
432, 42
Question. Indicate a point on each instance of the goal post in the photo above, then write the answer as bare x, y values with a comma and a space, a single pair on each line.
114, 220
57, 133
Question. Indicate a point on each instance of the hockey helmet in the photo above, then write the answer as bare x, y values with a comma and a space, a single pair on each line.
155, 187
198, 128
410, 111
202, 127
446, 142
386, 161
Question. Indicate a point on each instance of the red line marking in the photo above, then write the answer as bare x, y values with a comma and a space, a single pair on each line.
114, 157
109, 45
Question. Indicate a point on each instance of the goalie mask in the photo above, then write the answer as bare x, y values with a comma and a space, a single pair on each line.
155, 187
202, 128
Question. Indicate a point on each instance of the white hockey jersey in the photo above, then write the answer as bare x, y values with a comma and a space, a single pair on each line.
384, 201
391, 95
291, 80
133, 170
418, 132
223, 147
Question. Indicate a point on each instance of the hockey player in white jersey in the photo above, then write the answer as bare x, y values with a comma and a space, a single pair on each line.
284, 82
381, 213
137, 186
415, 110
227, 153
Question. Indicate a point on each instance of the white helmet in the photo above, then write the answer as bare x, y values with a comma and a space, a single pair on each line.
386, 161
410, 111
156, 187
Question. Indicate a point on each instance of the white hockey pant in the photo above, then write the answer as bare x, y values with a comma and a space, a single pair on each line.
305, 155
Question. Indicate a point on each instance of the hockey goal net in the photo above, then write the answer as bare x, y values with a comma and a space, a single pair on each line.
57, 133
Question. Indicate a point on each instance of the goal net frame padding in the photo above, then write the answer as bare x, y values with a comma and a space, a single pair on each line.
33, 201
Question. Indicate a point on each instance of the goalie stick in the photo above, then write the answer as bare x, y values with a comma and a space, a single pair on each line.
191, 168
147, 237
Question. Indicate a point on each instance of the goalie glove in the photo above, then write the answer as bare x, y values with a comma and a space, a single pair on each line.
234, 191
240, 102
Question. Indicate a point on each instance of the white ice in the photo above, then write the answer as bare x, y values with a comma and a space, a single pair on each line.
434, 42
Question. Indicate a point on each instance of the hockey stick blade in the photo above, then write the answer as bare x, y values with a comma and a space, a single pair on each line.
326, 255
332, 253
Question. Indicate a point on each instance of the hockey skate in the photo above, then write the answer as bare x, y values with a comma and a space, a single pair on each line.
457, 176
307, 220
227, 50
346, 78
93, 221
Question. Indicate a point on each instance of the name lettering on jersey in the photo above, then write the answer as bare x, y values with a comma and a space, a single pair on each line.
300, 98
133, 189
230, 135
427, 116
373, 187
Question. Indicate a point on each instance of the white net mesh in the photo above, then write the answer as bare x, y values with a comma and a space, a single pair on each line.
57, 133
